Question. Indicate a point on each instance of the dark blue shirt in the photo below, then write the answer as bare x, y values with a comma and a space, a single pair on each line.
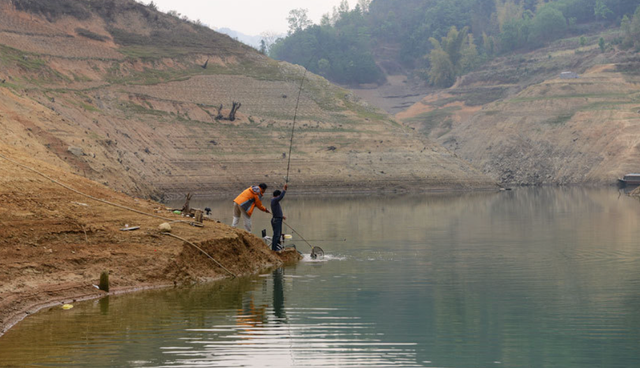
276, 210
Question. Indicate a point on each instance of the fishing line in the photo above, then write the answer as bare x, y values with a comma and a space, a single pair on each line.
315, 251
293, 128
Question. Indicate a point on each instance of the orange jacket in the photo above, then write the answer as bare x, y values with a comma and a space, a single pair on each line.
251, 198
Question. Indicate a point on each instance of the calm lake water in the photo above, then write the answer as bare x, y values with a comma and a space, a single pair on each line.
541, 277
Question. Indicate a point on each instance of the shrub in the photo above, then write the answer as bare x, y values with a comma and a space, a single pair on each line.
54, 9
91, 35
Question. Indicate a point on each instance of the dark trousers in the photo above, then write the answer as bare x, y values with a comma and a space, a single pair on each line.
276, 224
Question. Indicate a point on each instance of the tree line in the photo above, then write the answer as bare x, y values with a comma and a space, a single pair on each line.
443, 38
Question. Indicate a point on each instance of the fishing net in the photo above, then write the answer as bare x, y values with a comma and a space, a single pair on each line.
317, 253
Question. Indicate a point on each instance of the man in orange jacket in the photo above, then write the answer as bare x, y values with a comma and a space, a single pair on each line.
246, 202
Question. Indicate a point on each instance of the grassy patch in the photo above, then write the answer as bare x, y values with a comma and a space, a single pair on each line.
473, 98
131, 108
560, 119
23, 60
91, 35
145, 52
95, 136
607, 105
435, 118
558, 97
264, 71
89, 107
54, 9
631, 68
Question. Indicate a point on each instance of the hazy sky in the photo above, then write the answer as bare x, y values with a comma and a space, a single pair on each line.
250, 17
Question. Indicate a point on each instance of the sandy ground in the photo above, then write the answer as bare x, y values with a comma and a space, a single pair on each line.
54, 243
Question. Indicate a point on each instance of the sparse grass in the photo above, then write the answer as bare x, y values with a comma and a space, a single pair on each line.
366, 112
21, 59
607, 105
436, 115
80, 78
148, 76
54, 9
152, 52
557, 97
95, 136
131, 108
473, 98
630, 68
265, 71
91, 35
560, 119
435, 118
89, 107
38, 72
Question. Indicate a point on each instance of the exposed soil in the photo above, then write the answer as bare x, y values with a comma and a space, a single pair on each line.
517, 121
396, 95
54, 243
141, 117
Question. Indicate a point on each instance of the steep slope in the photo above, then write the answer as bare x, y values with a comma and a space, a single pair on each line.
127, 96
520, 123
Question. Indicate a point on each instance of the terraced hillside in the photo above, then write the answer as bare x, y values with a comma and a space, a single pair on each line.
128, 96
520, 123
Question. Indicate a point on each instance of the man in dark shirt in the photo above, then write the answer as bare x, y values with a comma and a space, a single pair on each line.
276, 221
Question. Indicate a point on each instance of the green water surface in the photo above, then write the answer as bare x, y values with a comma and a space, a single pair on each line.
541, 277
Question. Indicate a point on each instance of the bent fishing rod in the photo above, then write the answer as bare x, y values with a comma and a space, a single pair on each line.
293, 127
315, 251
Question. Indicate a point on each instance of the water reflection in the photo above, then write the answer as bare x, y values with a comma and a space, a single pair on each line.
278, 295
539, 277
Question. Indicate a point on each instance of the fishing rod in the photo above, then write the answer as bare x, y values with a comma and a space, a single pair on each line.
315, 251
293, 127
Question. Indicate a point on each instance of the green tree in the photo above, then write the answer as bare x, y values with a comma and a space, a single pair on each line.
364, 5
324, 66
515, 33
601, 44
453, 44
549, 24
601, 11
453, 55
441, 73
583, 41
470, 59
488, 43
631, 29
298, 20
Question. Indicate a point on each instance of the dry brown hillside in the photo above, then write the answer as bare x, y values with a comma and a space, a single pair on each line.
127, 96
519, 122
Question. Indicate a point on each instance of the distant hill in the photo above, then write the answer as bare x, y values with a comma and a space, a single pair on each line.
140, 101
436, 41
520, 122
253, 41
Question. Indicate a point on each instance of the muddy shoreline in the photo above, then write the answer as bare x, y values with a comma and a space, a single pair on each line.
55, 242
339, 191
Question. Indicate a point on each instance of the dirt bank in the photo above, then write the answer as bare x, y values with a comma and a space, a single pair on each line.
54, 243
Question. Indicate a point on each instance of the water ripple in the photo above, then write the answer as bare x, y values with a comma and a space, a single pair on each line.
321, 341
